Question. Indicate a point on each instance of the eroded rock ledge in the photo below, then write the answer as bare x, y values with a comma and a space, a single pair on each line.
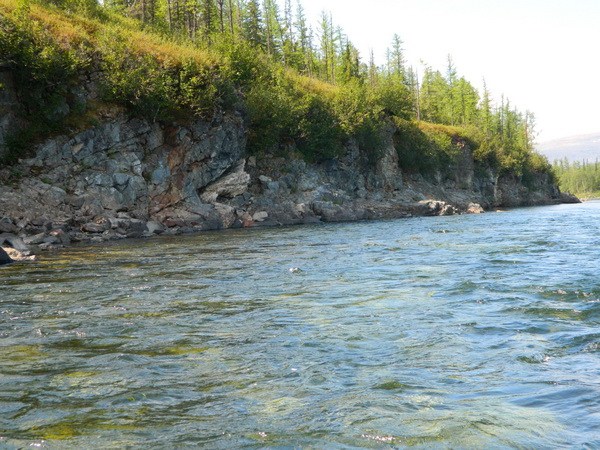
132, 178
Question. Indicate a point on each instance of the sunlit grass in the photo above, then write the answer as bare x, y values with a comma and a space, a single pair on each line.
312, 85
166, 51
68, 30
71, 31
450, 130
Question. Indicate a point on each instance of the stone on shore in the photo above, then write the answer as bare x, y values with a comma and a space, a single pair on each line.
92, 227
260, 216
228, 186
10, 240
7, 226
36, 239
16, 255
154, 227
566, 197
474, 208
435, 208
4, 258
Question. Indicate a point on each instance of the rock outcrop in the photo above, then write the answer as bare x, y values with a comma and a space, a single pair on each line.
4, 258
129, 177
566, 197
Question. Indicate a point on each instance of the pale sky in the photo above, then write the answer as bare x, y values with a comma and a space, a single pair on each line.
542, 54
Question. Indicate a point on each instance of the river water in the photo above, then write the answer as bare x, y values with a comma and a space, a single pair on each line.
478, 331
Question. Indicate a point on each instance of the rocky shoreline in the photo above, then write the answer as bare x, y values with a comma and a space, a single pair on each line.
129, 178
22, 245
126, 177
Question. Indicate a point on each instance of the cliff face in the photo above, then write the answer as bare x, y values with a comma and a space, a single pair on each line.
8, 105
127, 177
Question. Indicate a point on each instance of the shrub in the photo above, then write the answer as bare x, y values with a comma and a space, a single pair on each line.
319, 133
423, 147
43, 70
391, 95
274, 115
359, 114
44, 73
137, 81
281, 112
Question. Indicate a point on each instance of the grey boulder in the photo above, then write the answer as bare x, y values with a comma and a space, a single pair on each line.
4, 258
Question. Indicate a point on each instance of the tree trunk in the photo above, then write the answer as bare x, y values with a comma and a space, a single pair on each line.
169, 15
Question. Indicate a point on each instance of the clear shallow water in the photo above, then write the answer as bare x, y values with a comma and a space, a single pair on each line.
466, 331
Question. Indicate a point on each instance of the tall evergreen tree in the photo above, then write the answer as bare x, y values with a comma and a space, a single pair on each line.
466, 100
486, 116
327, 45
252, 24
412, 82
274, 33
450, 100
373, 72
396, 57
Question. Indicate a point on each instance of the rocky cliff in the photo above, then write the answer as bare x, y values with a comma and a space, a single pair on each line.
127, 177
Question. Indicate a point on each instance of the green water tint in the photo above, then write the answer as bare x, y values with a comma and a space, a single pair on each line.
451, 332
21, 353
392, 385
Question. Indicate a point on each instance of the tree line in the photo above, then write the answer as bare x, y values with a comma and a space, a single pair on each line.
282, 31
265, 43
581, 178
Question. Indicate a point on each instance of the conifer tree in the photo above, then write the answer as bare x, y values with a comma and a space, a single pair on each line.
252, 25
486, 118
396, 57
450, 98
466, 100
442, 97
412, 82
327, 46
304, 39
373, 72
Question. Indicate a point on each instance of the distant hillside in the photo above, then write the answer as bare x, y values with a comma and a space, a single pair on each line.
574, 148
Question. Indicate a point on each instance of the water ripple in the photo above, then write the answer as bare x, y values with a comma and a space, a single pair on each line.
469, 332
